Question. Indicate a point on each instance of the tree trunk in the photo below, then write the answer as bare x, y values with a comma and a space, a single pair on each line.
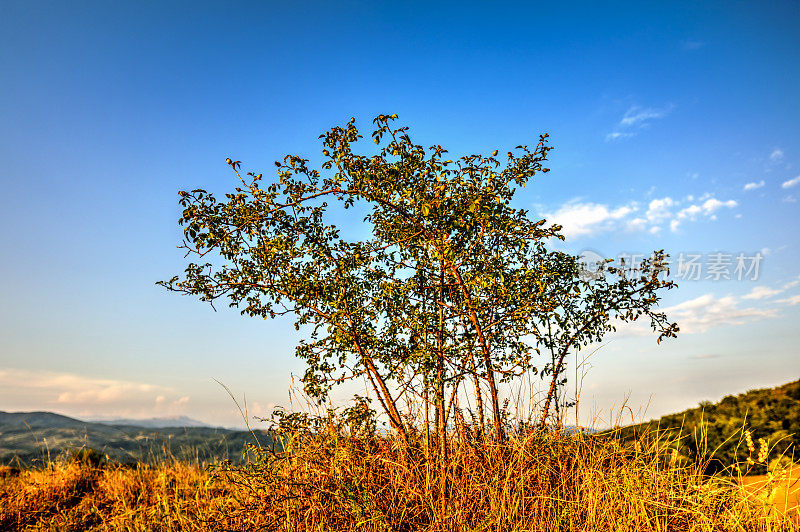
478, 395
553, 385
440, 402
487, 359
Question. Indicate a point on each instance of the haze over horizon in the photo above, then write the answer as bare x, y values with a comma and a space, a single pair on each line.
674, 126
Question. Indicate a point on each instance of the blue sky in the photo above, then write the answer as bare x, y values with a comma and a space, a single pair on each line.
675, 126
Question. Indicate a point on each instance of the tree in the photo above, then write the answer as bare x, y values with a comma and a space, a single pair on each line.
454, 287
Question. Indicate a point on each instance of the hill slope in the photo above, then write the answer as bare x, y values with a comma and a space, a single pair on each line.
769, 413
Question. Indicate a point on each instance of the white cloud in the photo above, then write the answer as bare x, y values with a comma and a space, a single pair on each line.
793, 300
690, 212
617, 135
579, 219
707, 209
753, 186
776, 155
659, 209
707, 311
82, 395
637, 224
638, 116
791, 183
714, 204
789, 199
761, 292
635, 118
792, 284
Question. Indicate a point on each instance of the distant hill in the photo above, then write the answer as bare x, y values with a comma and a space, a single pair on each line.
36, 437
154, 422
38, 420
769, 413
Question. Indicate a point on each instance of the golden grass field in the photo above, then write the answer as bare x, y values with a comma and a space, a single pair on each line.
329, 481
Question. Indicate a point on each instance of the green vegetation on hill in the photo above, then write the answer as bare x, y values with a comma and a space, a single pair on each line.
771, 414
32, 438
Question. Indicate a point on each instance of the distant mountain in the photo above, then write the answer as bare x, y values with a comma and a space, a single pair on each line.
38, 420
571, 430
154, 422
37, 437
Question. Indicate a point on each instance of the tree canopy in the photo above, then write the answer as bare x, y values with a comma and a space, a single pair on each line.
454, 289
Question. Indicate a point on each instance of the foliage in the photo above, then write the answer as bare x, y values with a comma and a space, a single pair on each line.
453, 288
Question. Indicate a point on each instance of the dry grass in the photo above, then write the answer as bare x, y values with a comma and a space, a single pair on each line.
781, 491
73, 496
330, 481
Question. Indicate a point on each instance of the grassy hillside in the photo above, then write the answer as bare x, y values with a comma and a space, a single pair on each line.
330, 480
35, 438
771, 414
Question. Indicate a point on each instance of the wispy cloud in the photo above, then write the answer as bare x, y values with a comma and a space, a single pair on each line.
792, 284
791, 183
702, 313
617, 135
692, 44
635, 119
80, 394
708, 311
792, 300
776, 155
761, 292
754, 185
638, 116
